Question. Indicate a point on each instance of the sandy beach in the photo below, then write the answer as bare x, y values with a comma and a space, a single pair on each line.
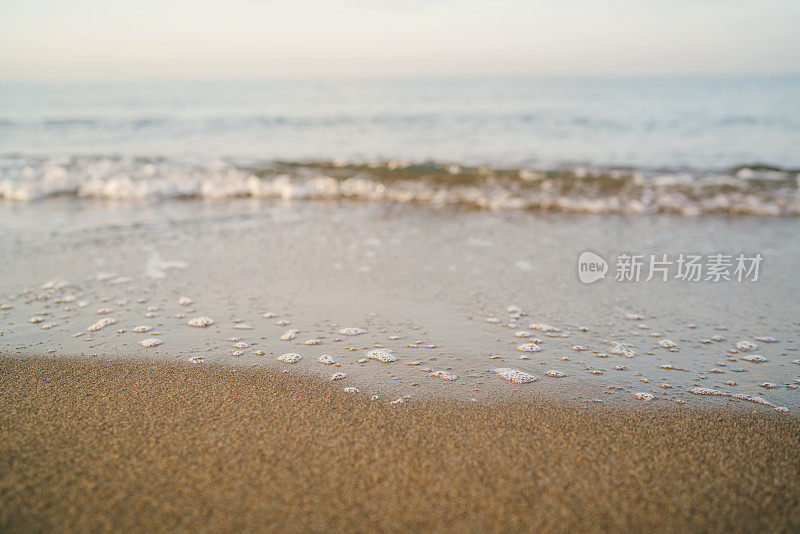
137, 445
413, 267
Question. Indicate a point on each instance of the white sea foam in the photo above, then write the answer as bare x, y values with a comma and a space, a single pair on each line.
326, 359
514, 375
445, 375
290, 334
352, 331
150, 342
201, 322
102, 323
338, 376
290, 357
621, 350
157, 268
26, 179
544, 327
529, 347
740, 396
555, 374
382, 355
670, 367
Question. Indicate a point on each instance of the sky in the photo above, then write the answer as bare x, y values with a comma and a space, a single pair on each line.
144, 39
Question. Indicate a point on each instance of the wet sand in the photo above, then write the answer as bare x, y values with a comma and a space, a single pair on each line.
90, 445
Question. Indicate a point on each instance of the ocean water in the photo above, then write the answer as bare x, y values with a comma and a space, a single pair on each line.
687, 145
436, 222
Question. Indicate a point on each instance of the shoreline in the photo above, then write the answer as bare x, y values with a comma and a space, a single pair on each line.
90, 444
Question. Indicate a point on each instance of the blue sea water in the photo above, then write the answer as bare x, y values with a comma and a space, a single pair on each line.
700, 123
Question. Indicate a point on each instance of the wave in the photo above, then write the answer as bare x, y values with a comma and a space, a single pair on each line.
745, 190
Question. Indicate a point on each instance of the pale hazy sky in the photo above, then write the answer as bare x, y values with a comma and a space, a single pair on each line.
107, 39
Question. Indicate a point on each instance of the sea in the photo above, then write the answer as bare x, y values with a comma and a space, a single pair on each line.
688, 145
303, 225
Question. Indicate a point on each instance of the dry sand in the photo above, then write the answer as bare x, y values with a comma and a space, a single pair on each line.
88, 445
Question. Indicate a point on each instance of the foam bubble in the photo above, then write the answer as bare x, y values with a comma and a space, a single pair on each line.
185, 301
445, 375
196, 359
242, 326
338, 376
555, 374
641, 395
514, 375
150, 342
352, 331
382, 355
326, 359
741, 396
142, 329
671, 367
667, 344
290, 357
102, 323
544, 327
312, 342
754, 358
744, 345
766, 339
621, 350
529, 347
290, 334
201, 322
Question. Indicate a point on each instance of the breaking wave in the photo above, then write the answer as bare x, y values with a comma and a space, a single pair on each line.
745, 190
